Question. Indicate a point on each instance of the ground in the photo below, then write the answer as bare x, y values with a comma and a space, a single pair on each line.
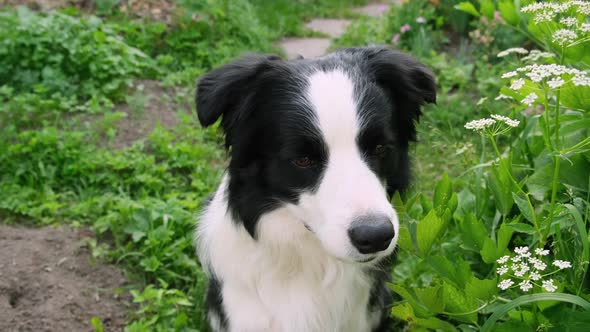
50, 282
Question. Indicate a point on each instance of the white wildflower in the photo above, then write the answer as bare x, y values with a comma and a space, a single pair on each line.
420, 19
520, 269
549, 286
535, 275
521, 251
505, 284
555, 82
509, 74
541, 252
516, 259
517, 84
510, 122
481, 124
538, 264
583, 7
562, 264
502, 270
535, 55
564, 37
569, 21
530, 99
544, 17
518, 50
502, 96
503, 259
585, 27
525, 285
581, 80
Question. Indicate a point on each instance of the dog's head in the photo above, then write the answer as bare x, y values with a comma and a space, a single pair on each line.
321, 141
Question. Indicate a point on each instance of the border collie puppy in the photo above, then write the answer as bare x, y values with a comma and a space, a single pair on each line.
299, 234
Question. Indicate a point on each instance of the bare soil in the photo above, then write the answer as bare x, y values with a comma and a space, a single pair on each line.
158, 107
49, 282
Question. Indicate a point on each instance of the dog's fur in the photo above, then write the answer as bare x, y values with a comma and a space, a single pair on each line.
315, 146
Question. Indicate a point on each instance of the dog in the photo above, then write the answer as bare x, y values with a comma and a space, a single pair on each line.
300, 233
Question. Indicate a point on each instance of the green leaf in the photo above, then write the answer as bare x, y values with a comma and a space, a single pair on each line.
453, 202
459, 304
417, 307
398, 203
483, 290
509, 13
431, 297
97, 324
458, 273
576, 97
487, 8
442, 192
433, 323
523, 206
581, 228
468, 8
425, 202
405, 239
501, 186
405, 312
473, 232
492, 251
522, 228
525, 299
429, 229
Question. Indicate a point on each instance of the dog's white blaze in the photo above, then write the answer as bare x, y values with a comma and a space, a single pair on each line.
348, 188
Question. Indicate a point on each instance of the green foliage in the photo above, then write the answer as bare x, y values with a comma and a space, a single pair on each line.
55, 53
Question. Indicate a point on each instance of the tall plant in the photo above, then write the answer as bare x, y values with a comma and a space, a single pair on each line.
531, 194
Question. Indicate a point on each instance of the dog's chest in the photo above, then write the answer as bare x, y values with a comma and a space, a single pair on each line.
335, 299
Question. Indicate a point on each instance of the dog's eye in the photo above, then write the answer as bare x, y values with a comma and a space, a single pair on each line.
379, 149
303, 162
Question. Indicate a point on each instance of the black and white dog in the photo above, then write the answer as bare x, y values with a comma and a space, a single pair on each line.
299, 233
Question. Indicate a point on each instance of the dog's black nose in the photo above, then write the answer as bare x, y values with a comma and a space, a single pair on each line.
371, 233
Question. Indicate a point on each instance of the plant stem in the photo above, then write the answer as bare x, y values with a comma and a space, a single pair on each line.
556, 158
519, 189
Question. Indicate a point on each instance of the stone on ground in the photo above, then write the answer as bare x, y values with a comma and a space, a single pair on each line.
374, 9
305, 47
331, 27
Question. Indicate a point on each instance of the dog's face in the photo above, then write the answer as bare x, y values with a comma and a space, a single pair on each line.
322, 141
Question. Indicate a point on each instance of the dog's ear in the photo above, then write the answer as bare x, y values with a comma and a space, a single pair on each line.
408, 83
226, 91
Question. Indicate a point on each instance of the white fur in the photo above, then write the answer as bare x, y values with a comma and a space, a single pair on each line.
291, 278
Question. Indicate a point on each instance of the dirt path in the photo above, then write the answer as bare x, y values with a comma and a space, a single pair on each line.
48, 282
314, 47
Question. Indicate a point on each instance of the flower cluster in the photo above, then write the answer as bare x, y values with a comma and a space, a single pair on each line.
564, 37
528, 270
536, 55
546, 11
518, 50
495, 125
553, 75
